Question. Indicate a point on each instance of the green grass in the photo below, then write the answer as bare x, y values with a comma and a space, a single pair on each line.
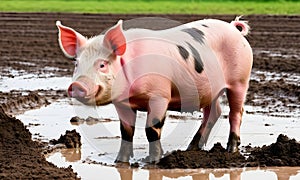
153, 6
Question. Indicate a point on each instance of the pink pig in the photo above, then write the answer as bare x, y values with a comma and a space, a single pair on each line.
184, 68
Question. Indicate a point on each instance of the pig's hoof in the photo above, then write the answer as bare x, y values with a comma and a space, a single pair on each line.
155, 152
233, 143
125, 152
120, 164
193, 147
196, 143
122, 159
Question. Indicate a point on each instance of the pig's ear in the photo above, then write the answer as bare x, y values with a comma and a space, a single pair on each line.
115, 40
69, 40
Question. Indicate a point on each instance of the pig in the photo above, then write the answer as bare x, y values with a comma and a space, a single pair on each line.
184, 68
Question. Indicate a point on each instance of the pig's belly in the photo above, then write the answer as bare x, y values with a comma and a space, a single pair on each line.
176, 104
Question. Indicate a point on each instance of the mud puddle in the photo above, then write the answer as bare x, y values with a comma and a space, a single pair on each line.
100, 139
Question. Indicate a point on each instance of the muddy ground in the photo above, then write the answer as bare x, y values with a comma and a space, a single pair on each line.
283, 152
28, 44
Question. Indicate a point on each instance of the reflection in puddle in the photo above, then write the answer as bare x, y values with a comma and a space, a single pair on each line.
71, 155
101, 140
123, 173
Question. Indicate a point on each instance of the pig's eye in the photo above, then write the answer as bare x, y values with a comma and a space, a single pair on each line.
103, 66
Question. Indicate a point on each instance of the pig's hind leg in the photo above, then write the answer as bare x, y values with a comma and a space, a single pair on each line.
211, 114
127, 126
236, 96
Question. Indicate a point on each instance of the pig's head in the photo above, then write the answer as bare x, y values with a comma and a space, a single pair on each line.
97, 60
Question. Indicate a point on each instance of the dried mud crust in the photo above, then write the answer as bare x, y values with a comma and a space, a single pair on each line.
284, 152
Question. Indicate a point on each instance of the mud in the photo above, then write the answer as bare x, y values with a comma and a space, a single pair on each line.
217, 157
28, 45
16, 101
284, 152
89, 120
21, 158
71, 139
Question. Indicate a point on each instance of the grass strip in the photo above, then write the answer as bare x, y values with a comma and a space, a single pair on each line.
153, 7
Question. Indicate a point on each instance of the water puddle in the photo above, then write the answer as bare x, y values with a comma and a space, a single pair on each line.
101, 141
33, 82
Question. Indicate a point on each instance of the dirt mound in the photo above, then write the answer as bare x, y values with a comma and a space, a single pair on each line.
21, 158
71, 139
217, 157
285, 152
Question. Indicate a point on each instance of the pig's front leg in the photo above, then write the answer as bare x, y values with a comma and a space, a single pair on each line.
155, 121
127, 125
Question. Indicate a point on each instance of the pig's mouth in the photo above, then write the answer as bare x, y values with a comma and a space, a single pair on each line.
89, 95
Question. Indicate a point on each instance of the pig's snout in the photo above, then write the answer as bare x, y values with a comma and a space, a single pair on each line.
77, 90
83, 89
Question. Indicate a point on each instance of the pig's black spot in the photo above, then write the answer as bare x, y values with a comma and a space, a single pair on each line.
204, 25
183, 52
158, 123
152, 135
195, 33
125, 135
197, 59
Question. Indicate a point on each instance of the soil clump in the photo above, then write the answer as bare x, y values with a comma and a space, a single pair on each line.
71, 139
284, 152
